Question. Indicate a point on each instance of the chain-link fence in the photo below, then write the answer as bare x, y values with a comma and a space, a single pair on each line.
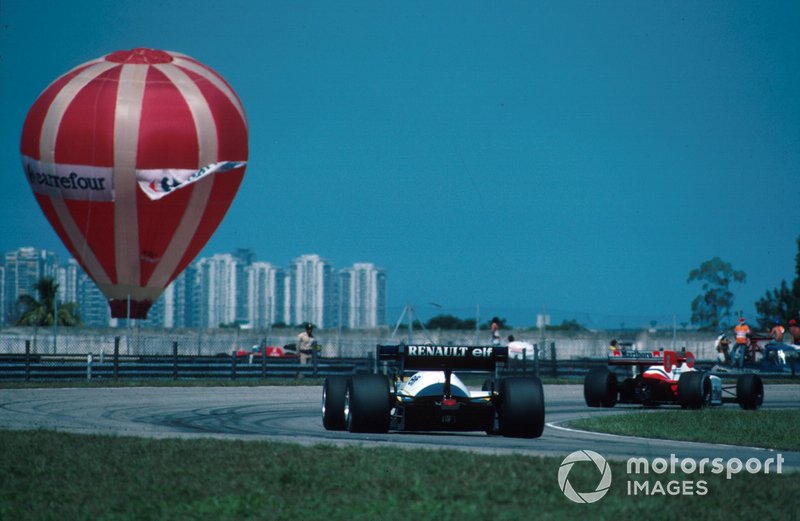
113, 354
196, 342
333, 343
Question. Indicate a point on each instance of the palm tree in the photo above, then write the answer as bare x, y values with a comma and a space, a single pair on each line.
42, 312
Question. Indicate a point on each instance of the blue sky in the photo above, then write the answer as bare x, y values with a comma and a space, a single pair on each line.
581, 157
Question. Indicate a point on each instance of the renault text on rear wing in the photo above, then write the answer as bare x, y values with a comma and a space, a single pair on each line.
440, 357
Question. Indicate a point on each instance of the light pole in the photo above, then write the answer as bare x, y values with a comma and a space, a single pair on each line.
55, 324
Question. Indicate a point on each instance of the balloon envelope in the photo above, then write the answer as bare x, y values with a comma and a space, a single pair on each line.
134, 159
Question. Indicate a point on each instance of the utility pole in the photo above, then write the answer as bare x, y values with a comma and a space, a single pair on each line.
55, 324
410, 324
128, 339
477, 324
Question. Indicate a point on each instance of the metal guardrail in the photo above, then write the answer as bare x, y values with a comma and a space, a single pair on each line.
35, 367
90, 367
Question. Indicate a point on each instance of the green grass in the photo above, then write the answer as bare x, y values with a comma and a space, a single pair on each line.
768, 428
46, 475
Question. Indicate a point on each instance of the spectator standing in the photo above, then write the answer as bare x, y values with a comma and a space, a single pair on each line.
494, 326
794, 330
777, 332
723, 346
742, 331
306, 343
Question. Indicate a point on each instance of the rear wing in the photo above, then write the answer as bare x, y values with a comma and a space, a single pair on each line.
443, 358
668, 359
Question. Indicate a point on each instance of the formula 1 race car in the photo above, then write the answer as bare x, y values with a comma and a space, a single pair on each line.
434, 398
667, 377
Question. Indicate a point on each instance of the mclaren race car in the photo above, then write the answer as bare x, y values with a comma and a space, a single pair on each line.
667, 377
423, 393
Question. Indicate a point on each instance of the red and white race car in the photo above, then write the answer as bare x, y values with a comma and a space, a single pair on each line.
664, 378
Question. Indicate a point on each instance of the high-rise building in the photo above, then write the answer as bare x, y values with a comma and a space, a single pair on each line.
244, 257
265, 294
157, 315
67, 278
363, 296
217, 290
23, 268
183, 299
313, 292
92, 304
167, 303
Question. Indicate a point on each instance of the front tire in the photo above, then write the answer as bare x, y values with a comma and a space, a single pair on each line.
333, 403
600, 388
750, 391
521, 407
367, 403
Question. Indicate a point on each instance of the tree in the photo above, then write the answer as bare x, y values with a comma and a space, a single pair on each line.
783, 302
712, 309
236, 324
449, 322
500, 321
42, 312
568, 325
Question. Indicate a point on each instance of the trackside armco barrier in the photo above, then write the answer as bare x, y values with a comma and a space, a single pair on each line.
30, 367
116, 366
351, 343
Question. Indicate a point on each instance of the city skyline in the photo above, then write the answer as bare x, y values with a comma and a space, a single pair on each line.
268, 298
217, 291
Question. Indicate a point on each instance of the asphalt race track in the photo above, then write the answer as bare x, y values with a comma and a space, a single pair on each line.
292, 414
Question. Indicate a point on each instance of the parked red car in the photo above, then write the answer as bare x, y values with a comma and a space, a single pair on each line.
269, 351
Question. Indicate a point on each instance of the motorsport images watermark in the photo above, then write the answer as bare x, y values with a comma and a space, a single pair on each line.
602, 466
640, 470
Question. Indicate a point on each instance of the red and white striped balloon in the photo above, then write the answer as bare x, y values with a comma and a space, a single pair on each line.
135, 158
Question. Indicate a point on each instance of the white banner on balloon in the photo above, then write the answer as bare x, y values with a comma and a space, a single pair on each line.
159, 183
77, 182
96, 183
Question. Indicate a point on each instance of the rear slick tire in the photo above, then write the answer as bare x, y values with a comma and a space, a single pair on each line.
367, 403
333, 403
600, 388
521, 407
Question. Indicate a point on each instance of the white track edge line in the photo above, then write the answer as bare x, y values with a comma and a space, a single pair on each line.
568, 429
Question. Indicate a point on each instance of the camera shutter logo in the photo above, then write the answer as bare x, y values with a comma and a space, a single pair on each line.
602, 466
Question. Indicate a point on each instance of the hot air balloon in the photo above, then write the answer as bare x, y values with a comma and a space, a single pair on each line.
134, 158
